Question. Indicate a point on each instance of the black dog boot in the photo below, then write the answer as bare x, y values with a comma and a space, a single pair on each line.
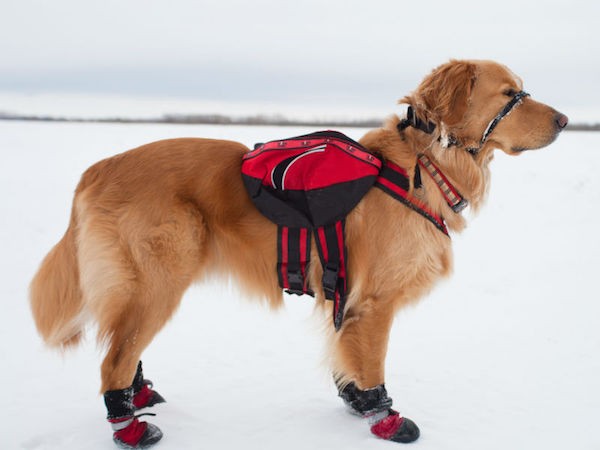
375, 405
363, 403
129, 432
143, 394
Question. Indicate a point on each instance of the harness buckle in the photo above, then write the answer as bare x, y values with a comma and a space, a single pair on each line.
462, 204
330, 279
295, 292
296, 280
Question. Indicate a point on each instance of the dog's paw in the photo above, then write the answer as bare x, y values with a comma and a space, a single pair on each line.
390, 426
137, 435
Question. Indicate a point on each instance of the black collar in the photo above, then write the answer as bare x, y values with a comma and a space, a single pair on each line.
412, 120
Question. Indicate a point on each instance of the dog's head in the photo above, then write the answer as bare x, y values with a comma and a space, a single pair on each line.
463, 98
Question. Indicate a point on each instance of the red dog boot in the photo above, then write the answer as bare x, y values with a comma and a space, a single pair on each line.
389, 425
129, 432
143, 394
374, 404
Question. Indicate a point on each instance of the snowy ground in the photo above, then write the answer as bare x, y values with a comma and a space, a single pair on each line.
505, 355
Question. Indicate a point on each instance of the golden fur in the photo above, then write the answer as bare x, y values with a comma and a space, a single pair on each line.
148, 222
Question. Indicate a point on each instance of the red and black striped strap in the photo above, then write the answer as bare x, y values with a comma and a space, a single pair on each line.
394, 181
456, 201
293, 255
334, 255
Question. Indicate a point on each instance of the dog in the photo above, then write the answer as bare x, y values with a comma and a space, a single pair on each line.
147, 223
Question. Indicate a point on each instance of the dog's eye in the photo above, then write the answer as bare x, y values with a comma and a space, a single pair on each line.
510, 92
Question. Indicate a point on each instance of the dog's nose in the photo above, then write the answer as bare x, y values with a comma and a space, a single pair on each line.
561, 120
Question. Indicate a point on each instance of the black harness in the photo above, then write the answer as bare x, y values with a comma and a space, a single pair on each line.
428, 127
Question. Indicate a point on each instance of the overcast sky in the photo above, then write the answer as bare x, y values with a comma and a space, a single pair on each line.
368, 52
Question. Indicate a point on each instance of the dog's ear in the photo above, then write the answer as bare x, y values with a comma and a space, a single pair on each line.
444, 94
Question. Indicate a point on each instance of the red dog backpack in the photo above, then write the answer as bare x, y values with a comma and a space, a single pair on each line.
307, 185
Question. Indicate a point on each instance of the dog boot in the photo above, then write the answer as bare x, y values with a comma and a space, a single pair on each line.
374, 404
391, 426
143, 394
129, 432
363, 403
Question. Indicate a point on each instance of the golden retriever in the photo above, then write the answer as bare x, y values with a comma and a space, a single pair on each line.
147, 223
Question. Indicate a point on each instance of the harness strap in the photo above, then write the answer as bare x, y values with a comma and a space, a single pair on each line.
456, 201
394, 181
333, 255
293, 255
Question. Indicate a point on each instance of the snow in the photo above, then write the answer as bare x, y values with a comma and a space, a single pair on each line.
505, 354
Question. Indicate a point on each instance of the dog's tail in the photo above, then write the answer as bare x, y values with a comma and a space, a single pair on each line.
55, 294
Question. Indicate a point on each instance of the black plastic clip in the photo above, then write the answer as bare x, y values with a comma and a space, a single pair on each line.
330, 279
462, 204
296, 282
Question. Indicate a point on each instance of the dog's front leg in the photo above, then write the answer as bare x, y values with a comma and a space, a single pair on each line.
359, 366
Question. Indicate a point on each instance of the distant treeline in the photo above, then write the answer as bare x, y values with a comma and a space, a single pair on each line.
219, 119
584, 127
203, 119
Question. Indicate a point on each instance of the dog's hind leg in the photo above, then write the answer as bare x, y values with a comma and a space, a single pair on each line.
359, 365
133, 280
131, 330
